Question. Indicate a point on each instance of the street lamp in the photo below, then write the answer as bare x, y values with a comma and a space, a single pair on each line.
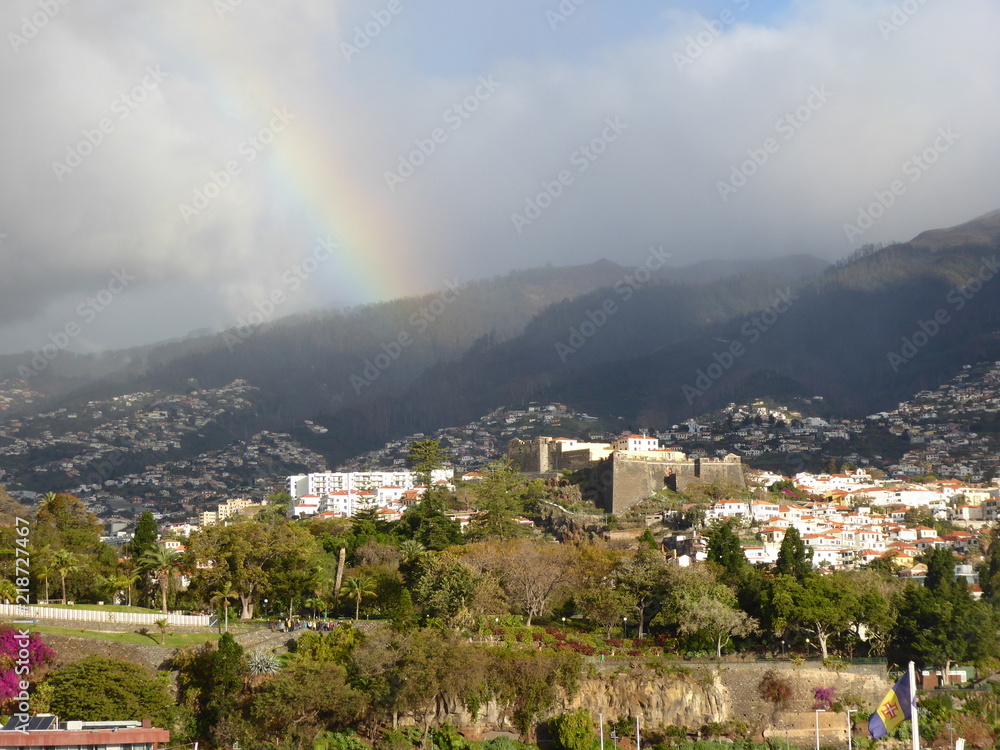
624, 627
782, 648
818, 712
850, 727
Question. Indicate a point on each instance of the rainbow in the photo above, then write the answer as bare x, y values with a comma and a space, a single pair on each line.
307, 167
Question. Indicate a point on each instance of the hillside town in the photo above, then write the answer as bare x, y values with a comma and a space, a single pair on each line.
116, 454
850, 520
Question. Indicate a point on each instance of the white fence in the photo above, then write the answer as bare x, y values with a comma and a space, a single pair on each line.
33, 612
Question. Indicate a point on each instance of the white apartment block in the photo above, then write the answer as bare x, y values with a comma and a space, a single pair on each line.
345, 504
358, 481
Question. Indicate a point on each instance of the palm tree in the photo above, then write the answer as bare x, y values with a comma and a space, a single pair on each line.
222, 597
161, 563
129, 577
162, 625
120, 583
412, 551
358, 588
314, 604
43, 571
42, 564
65, 562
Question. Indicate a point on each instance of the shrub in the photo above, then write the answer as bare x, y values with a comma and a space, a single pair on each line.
575, 730
824, 698
775, 689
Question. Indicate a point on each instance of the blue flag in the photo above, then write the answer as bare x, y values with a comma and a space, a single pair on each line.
893, 710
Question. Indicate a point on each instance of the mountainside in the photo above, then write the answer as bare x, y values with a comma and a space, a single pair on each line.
653, 344
867, 334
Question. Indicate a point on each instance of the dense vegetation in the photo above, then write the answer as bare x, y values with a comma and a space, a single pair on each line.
498, 612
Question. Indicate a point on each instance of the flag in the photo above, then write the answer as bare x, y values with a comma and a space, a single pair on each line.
893, 710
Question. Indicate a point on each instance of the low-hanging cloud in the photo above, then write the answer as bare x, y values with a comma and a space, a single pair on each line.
206, 147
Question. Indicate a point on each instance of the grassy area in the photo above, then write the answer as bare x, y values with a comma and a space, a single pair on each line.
104, 608
177, 640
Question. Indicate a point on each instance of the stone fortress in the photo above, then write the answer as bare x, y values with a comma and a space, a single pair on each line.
626, 471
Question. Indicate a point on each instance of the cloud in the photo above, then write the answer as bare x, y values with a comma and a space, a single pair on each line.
710, 95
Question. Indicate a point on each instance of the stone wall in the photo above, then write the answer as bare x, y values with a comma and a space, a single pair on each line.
624, 481
691, 695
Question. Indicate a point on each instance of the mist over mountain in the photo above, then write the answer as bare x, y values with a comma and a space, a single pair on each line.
653, 344
864, 335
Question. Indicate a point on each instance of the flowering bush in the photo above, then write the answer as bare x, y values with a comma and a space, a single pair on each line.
823, 698
775, 689
10, 647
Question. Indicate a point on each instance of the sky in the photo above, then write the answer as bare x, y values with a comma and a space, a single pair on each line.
177, 167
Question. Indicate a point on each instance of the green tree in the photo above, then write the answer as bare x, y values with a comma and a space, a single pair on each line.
725, 549
162, 623
698, 603
444, 588
574, 730
939, 626
794, 558
425, 456
161, 563
498, 502
821, 605
643, 577
294, 707
252, 557
647, 540
359, 588
65, 563
97, 688
940, 570
226, 666
221, 598
427, 523
989, 571
604, 606
145, 536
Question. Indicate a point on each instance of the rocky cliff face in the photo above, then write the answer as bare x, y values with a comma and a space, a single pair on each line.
691, 698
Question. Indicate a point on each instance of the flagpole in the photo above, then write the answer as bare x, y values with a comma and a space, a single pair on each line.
915, 723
